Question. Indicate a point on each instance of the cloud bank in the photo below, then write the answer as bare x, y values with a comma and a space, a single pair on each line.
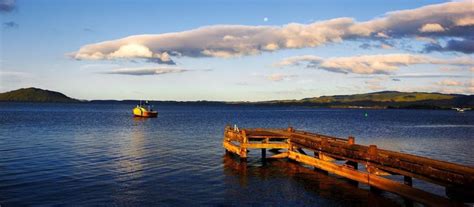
449, 82
454, 86
141, 71
453, 21
369, 64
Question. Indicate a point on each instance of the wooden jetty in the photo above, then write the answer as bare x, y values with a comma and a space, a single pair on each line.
377, 168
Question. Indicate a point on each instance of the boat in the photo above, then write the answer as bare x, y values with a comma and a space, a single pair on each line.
144, 110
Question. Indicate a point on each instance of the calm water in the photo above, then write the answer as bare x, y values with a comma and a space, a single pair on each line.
84, 154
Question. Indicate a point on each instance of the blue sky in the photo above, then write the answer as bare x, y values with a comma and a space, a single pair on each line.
235, 50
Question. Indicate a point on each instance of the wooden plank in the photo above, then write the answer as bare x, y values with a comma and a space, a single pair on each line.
280, 155
266, 145
373, 180
423, 168
435, 171
231, 147
233, 137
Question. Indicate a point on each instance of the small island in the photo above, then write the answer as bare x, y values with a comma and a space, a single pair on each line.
35, 95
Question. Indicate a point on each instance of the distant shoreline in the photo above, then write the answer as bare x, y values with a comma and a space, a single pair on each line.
376, 100
215, 103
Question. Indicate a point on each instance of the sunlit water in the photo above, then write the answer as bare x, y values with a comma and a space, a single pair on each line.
84, 154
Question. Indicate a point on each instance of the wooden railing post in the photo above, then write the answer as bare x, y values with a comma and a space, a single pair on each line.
351, 141
290, 129
372, 151
243, 149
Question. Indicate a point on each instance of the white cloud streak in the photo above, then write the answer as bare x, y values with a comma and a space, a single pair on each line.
449, 82
454, 86
279, 77
369, 64
432, 28
142, 71
446, 20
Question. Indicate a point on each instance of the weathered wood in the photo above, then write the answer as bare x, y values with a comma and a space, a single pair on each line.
440, 172
265, 145
280, 156
372, 180
456, 178
231, 147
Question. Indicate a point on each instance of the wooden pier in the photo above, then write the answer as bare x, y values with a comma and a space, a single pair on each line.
377, 168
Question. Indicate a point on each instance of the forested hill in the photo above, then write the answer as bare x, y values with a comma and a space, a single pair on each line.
384, 99
34, 95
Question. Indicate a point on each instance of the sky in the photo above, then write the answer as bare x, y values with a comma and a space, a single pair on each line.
235, 50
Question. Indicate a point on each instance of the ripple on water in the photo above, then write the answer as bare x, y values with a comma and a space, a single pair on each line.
100, 155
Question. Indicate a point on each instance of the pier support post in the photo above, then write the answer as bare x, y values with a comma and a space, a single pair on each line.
407, 180
352, 164
375, 190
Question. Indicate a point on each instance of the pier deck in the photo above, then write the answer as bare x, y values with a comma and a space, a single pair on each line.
363, 164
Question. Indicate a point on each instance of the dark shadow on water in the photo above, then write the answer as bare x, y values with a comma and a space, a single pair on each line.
287, 181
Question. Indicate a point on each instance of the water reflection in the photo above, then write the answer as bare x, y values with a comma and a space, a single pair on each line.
291, 181
130, 162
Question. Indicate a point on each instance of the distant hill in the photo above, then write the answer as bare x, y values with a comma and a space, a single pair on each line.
384, 99
34, 95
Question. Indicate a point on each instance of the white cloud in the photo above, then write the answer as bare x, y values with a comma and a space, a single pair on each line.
369, 64
454, 86
431, 28
467, 21
265, 19
427, 39
385, 46
449, 82
132, 50
375, 84
237, 40
453, 68
428, 75
145, 71
279, 77
299, 60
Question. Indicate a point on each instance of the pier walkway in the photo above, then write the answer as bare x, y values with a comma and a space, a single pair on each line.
378, 168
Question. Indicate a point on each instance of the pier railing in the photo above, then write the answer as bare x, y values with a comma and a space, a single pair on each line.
375, 164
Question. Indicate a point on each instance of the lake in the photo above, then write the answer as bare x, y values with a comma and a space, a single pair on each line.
98, 154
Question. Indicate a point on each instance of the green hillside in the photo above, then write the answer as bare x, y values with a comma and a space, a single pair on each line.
385, 99
385, 96
34, 95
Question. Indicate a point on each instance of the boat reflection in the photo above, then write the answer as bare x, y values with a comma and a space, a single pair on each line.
293, 179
